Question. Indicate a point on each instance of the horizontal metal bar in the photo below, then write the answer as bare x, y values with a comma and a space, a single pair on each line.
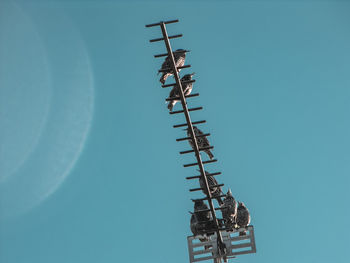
182, 82
218, 208
241, 245
225, 228
201, 244
243, 252
239, 238
162, 38
208, 210
170, 69
165, 22
200, 149
202, 258
199, 176
201, 189
197, 136
204, 251
178, 98
193, 164
185, 124
166, 54
206, 198
190, 109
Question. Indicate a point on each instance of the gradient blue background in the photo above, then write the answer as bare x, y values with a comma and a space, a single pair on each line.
274, 82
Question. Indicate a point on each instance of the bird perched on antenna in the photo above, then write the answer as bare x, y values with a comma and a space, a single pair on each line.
199, 210
201, 221
242, 217
229, 210
202, 224
198, 228
179, 57
201, 141
215, 191
175, 92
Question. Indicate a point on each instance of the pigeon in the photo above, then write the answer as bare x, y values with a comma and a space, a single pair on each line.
216, 191
186, 87
179, 57
201, 141
229, 210
242, 217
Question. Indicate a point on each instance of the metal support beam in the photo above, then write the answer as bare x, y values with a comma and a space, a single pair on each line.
221, 244
166, 54
160, 39
163, 22
200, 149
201, 163
198, 176
178, 98
206, 198
183, 82
176, 68
188, 138
181, 111
201, 189
186, 124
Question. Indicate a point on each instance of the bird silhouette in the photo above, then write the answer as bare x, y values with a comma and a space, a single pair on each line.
198, 229
201, 141
242, 218
186, 87
229, 210
202, 216
179, 57
201, 220
215, 191
202, 223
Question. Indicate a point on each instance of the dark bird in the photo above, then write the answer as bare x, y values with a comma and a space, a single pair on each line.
179, 57
201, 221
198, 228
229, 210
201, 141
186, 87
202, 216
215, 191
242, 217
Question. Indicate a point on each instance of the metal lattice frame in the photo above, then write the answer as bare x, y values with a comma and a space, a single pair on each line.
220, 247
235, 245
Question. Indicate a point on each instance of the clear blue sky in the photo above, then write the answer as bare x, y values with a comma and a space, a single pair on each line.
90, 170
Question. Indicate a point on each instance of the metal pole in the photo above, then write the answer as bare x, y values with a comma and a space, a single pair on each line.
188, 119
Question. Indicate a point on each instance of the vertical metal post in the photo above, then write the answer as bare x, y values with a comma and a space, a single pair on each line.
221, 244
